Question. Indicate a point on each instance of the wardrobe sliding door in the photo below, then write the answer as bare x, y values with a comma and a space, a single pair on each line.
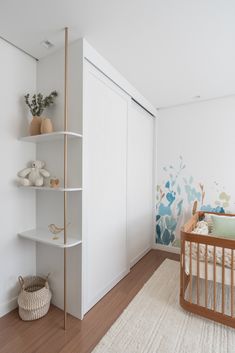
104, 184
139, 182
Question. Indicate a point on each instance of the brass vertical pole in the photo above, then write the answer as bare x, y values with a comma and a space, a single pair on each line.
65, 169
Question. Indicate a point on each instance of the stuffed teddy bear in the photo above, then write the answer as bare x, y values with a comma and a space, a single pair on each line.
34, 175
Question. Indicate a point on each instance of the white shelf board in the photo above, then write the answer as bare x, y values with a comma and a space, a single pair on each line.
48, 188
58, 135
45, 237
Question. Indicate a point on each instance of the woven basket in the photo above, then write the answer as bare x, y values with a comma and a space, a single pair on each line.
34, 298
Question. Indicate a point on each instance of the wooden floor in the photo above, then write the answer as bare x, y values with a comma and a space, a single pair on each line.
47, 335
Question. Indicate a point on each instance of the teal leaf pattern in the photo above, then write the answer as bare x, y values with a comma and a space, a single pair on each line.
177, 194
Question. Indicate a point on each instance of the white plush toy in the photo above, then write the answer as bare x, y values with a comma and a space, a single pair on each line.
34, 175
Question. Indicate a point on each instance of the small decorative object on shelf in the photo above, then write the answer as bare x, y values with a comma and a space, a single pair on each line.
36, 106
33, 176
55, 230
34, 298
35, 125
54, 182
46, 126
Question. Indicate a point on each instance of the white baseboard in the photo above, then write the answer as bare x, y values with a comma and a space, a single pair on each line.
8, 306
137, 258
168, 248
105, 291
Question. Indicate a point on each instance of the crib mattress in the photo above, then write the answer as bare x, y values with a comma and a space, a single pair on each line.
210, 271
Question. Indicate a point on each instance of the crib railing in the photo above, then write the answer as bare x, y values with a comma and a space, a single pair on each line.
191, 288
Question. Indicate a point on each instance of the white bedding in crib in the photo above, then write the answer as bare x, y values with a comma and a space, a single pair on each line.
210, 254
210, 273
203, 228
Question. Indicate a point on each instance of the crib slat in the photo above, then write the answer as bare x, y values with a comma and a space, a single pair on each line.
182, 266
214, 277
223, 281
183, 262
190, 272
198, 273
206, 276
232, 283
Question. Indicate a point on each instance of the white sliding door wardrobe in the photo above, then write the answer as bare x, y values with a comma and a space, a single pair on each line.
140, 172
111, 162
105, 183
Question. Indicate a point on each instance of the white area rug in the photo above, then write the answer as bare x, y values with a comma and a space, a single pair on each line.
154, 322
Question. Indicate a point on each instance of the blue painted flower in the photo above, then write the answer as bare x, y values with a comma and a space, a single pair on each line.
209, 208
170, 197
179, 207
164, 210
192, 193
167, 185
171, 223
166, 237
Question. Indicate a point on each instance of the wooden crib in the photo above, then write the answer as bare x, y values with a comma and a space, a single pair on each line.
203, 282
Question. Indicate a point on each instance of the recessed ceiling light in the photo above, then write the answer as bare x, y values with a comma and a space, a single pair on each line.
47, 44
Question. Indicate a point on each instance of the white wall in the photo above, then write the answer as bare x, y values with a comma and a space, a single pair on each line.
17, 207
203, 135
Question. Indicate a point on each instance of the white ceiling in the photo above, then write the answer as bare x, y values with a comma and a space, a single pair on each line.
171, 50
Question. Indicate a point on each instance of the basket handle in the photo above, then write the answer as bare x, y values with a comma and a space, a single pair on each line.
21, 281
46, 283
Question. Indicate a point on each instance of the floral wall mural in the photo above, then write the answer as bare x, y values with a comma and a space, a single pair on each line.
179, 195
195, 169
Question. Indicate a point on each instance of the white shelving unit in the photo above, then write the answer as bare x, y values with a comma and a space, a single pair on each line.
45, 237
48, 188
57, 154
53, 136
41, 235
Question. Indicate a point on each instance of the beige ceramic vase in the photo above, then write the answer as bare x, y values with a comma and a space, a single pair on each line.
35, 126
46, 126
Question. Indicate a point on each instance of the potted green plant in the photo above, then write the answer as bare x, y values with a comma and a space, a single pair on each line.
36, 105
